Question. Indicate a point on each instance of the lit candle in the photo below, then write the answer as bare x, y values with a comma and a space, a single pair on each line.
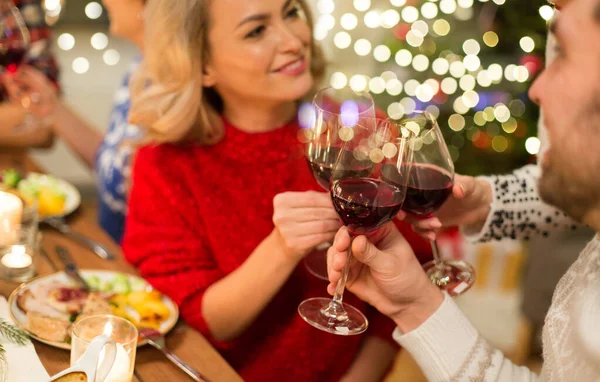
11, 210
121, 370
17, 258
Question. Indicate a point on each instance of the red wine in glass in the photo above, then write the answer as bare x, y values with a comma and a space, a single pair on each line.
364, 204
322, 166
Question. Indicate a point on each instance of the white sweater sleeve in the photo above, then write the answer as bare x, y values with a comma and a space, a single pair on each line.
517, 211
449, 349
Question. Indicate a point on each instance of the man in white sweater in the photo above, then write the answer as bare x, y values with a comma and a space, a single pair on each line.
430, 325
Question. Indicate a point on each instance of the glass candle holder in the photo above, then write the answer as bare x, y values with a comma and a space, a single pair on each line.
17, 259
16, 214
120, 330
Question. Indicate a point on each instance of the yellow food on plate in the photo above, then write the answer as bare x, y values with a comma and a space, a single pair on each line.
148, 305
49, 202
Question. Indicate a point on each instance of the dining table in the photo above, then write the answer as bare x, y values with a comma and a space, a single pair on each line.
150, 364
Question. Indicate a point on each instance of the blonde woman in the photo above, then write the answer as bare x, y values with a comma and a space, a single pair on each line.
223, 206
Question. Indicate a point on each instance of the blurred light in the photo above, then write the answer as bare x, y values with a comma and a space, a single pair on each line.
499, 2
66, 41
517, 107
420, 63
433, 110
465, 3
458, 141
456, 122
459, 106
483, 79
546, 12
99, 41
449, 85
463, 14
325, 6
441, 27
420, 28
448, 6
362, 47
358, 83
409, 105
471, 47
410, 14
470, 98
521, 74
488, 114
390, 18
471, 62
501, 113
111, 57
372, 19
320, 33
93, 10
338, 80
495, 72
509, 72
527, 44
51, 5
306, 116
479, 118
413, 40
349, 21
393, 87
510, 126
410, 87
403, 57
398, 3
429, 10
382, 53
377, 85
80, 65
326, 21
440, 66
395, 110
433, 84
388, 75
454, 153
532, 145
490, 39
499, 143
424, 93
362, 5
342, 40
467, 82
457, 69
493, 129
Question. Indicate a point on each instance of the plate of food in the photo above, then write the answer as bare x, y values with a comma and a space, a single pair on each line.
47, 306
55, 197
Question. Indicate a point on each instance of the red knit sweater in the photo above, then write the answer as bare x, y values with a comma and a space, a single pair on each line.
195, 215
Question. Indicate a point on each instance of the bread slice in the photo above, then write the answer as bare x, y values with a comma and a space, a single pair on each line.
47, 328
75, 376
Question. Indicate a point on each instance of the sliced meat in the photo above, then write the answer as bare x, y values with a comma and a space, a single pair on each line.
95, 304
50, 329
29, 301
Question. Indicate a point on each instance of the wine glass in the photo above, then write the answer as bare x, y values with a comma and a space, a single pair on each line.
430, 184
324, 146
15, 43
364, 200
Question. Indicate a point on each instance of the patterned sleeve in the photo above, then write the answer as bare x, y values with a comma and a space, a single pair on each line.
517, 211
449, 349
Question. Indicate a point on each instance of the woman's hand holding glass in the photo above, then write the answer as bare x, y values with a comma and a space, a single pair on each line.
41, 92
303, 220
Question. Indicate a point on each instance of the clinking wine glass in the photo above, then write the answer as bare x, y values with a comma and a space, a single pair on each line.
324, 145
364, 200
429, 185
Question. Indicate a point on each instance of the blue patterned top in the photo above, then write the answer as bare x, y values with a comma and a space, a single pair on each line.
113, 165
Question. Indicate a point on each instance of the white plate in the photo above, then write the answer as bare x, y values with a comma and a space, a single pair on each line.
73, 197
19, 318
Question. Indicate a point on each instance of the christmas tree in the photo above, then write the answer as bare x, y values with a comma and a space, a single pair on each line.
469, 63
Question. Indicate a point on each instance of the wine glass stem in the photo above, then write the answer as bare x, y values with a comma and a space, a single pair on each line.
335, 309
437, 259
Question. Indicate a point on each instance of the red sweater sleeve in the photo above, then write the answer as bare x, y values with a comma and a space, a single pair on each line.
164, 237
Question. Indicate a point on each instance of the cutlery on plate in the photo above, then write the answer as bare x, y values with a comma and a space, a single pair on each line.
157, 340
71, 268
62, 227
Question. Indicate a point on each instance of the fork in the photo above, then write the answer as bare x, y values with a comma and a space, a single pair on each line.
157, 340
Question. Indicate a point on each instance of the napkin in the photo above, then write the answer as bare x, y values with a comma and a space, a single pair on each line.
23, 362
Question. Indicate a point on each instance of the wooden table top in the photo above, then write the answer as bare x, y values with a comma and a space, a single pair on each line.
151, 365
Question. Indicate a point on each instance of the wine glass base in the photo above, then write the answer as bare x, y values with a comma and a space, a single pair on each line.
346, 320
316, 262
453, 276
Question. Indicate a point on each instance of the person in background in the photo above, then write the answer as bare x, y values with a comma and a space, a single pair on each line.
12, 112
429, 324
223, 206
108, 154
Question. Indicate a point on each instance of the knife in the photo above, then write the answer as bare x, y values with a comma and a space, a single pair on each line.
62, 227
71, 268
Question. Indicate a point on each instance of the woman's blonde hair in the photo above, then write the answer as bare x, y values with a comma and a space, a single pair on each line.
167, 97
